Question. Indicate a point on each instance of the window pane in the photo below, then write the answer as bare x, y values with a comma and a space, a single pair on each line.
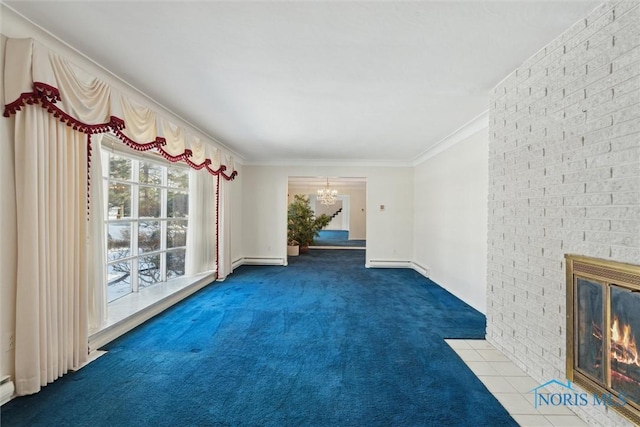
148, 236
178, 177
148, 270
150, 173
119, 167
119, 201
177, 204
176, 233
175, 263
118, 240
149, 200
118, 280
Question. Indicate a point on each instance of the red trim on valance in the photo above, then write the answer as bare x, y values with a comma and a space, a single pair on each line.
217, 226
184, 156
89, 148
47, 96
48, 91
206, 163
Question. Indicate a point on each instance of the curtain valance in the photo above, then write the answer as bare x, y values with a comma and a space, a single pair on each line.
36, 75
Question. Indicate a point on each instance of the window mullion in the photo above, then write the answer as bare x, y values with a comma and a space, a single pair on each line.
163, 225
135, 194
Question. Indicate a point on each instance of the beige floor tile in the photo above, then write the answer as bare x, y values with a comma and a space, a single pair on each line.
508, 369
469, 355
523, 384
553, 410
565, 420
497, 384
532, 420
458, 344
480, 344
493, 355
482, 368
515, 403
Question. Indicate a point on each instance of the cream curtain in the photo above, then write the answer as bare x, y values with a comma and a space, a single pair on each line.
33, 73
201, 234
224, 230
61, 251
96, 242
52, 276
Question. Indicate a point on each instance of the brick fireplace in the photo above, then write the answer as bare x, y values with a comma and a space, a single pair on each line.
603, 331
564, 174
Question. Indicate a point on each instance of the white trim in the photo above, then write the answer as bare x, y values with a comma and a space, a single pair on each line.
237, 263
7, 389
383, 263
475, 125
259, 261
330, 162
380, 263
425, 271
346, 248
114, 331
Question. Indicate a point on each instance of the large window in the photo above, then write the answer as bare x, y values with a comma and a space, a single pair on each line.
146, 221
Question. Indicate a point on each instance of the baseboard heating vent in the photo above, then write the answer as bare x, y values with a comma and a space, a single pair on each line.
6, 389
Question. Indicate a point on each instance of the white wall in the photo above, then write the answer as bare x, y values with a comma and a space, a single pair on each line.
389, 232
450, 225
564, 178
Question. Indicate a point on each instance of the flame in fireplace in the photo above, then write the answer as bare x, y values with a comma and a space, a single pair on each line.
623, 343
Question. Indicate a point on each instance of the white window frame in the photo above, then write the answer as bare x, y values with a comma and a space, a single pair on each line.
110, 147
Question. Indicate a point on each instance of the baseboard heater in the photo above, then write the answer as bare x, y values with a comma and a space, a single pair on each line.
6, 389
258, 261
382, 263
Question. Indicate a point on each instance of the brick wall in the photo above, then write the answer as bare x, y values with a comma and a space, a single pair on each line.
564, 177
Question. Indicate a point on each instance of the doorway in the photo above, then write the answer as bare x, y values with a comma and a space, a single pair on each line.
347, 228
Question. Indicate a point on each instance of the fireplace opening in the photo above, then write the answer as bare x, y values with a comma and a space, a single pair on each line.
603, 331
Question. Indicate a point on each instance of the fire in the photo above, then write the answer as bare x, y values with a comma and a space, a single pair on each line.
623, 343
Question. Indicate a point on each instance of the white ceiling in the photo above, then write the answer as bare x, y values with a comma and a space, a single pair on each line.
303, 80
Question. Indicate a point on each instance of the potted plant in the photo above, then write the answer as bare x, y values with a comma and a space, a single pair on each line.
303, 226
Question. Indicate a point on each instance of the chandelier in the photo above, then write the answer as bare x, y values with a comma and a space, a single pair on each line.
326, 195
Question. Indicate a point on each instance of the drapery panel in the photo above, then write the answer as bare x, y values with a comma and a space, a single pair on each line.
36, 75
224, 230
52, 274
96, 241
202, 230
56, 106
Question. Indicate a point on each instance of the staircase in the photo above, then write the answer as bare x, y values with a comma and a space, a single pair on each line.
335, 214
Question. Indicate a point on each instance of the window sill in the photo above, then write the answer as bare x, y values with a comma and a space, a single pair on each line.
132, 310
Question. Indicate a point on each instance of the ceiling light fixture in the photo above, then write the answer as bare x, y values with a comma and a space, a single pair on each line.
326, 195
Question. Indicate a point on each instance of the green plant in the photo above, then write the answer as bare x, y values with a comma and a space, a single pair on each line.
303, 226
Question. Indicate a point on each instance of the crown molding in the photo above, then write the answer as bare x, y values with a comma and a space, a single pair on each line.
330, 163
475, 125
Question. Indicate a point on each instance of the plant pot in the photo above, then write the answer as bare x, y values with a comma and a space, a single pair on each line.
293, 250
304, 249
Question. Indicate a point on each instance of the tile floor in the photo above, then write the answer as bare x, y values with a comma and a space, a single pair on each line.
510, 384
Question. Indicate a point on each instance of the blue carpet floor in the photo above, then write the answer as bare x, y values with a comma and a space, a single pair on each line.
337, 238
323, 342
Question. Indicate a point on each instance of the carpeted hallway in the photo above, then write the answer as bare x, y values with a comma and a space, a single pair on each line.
323, 342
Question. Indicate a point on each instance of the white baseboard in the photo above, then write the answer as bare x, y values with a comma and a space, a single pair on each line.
7, 389
382, 263
425, 271
258, 261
